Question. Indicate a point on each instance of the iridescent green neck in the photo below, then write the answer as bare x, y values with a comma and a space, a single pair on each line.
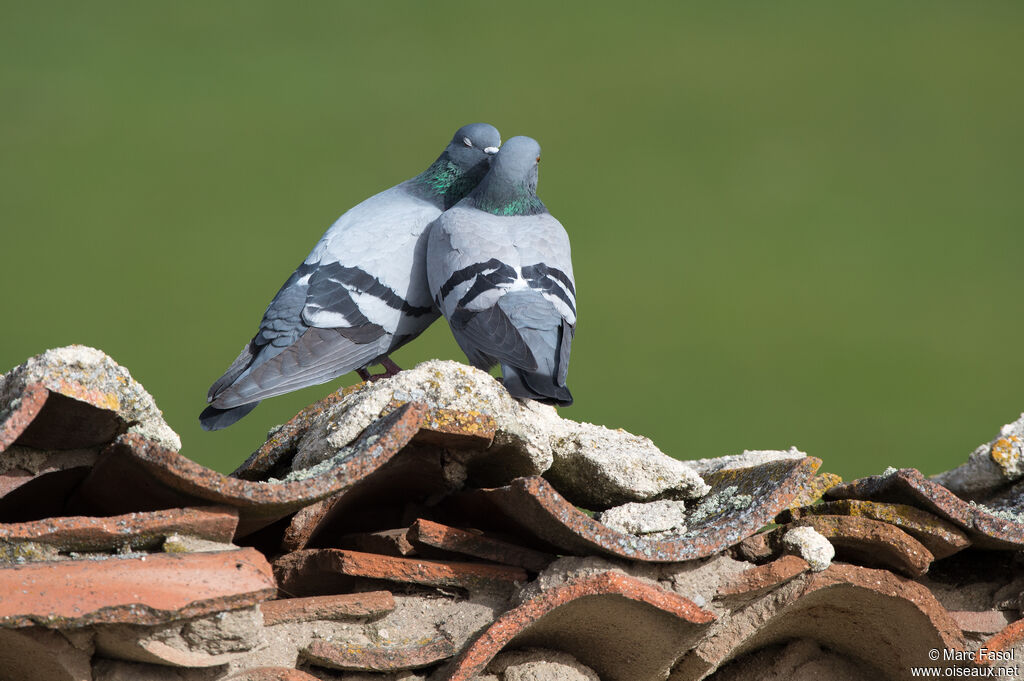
507, 200
446, 180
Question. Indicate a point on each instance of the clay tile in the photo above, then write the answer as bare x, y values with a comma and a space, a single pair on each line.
938, 536
996, 650
136, 474
132, 531
815, 487
147, 590
477, 544
369, 604
20, 411
886, 622
378, 658
388, 542
90, 400
757, 580
870, 542
314, 571
620, 626
272, 674
909, 486
36, 484
455, 429
740, 502
277, 451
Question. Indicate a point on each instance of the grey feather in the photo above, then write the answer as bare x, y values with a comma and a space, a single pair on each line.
360, 294
500, 270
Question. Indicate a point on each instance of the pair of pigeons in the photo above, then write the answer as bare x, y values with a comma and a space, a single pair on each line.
467, 238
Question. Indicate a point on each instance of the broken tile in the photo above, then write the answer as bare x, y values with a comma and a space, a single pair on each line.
814, 488
133, 531
136, 474
990, 466
146, 590
368, 604
996, 650
987, 528
748, 459
313, 571
478, 545
36, 484
201, 642
37, 654
272, 674
91, 399
453, 429
741, 501
756, 580
885, 622
387, 542
621, 627
986, 622
941, 538
378, 658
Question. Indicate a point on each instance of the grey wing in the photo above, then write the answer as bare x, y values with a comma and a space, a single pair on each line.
289, 352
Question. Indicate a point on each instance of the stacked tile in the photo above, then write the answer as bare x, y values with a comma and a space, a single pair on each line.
429, 526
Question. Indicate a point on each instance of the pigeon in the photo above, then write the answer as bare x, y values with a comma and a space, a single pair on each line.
360, 294
500, 271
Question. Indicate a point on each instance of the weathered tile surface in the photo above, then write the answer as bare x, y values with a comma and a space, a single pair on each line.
896, 620
741, 501
145, 590
870, 542
378, 658
329, 607
477, 544
909, 486
311, 570
938, 536
622, 627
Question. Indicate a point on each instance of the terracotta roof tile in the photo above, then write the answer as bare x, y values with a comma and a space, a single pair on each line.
815, 487
20, 411
36, 484
938, 536
896, 620
909, 486
388, 542
870, 542
1011, 637
622, 627
477, 544
144, 590
378, 658
134, 531
324, 570
272, 674
136, 474
740, 502
757, 580
330, 607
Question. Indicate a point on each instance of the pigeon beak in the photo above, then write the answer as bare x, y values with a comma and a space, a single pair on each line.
490, 150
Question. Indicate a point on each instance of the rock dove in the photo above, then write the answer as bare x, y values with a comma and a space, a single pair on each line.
499, 269
360, 294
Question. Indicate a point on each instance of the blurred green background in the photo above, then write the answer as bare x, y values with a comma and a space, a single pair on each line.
793, 223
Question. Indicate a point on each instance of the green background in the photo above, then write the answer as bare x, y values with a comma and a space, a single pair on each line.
793, 223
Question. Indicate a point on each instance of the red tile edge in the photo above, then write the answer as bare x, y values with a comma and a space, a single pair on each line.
31, 402
475, 659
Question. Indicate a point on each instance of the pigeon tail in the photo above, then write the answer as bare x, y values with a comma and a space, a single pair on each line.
213, 418
535, 386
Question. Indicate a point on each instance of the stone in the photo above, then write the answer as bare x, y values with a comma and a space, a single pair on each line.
538, 664
662, 517
87, 375
809, 545
990, 466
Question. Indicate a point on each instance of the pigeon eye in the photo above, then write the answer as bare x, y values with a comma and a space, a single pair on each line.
538, 159
467, 142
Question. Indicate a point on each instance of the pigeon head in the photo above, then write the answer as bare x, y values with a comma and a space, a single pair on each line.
510, 188
462, 164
